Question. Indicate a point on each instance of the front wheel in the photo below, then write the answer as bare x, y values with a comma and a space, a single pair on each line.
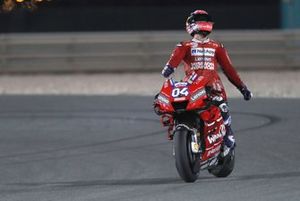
185, 159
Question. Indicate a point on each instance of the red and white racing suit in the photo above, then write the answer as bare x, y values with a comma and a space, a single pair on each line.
203, 58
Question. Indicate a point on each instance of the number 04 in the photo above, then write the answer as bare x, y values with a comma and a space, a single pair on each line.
176, 92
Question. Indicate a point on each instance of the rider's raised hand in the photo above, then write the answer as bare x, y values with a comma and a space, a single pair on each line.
167, 71
246, 93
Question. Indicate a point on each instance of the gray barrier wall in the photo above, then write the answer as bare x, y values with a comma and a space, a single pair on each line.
138, 51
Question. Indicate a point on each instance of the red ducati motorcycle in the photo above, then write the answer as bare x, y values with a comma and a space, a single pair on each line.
196, 128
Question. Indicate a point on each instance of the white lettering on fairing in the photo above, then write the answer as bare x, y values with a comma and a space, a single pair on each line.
213, 138
213, 151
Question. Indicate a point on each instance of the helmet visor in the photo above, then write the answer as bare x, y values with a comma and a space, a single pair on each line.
200, 17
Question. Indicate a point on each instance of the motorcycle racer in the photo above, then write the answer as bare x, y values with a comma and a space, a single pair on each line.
201, 55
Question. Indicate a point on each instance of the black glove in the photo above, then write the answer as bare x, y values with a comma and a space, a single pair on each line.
167, 71
246, 93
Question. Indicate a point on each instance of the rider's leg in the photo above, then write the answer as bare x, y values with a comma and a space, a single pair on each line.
229, 136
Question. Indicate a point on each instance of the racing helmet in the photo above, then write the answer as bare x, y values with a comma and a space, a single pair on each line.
199, 22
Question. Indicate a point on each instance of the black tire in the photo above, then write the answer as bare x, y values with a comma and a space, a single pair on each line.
225, 166
184, 158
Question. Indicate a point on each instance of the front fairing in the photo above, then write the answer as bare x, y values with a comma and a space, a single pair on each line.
173, 94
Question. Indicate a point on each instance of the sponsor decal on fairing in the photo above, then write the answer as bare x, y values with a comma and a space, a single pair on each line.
215, 150
163, 99
179, 99
181, 84
198, 94
213, 138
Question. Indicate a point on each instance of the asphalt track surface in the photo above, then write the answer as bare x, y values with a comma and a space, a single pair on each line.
100, 148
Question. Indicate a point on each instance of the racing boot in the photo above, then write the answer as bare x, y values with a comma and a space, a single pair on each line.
229, 140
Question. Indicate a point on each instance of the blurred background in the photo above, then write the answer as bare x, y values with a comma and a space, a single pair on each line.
117, 15
97, 36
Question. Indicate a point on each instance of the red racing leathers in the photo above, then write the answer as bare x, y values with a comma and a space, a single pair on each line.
203, 58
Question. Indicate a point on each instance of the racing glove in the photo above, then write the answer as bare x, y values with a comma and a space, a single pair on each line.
246, 93
167, 71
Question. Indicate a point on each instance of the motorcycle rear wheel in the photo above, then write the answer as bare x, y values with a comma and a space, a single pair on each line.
184, 157
225, 166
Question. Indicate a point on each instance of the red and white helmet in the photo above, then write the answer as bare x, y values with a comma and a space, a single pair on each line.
199, 22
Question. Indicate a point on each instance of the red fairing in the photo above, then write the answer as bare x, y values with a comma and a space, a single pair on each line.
164, 97
192, 94
214, 130
198, 85
203, 57
184, 92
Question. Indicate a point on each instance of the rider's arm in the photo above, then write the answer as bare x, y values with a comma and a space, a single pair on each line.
225, 62
177, 55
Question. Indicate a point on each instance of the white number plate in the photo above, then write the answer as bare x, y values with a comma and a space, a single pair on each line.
180, 92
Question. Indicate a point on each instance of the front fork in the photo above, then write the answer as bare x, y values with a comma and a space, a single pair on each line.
193, 146
167, 120
195, 138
